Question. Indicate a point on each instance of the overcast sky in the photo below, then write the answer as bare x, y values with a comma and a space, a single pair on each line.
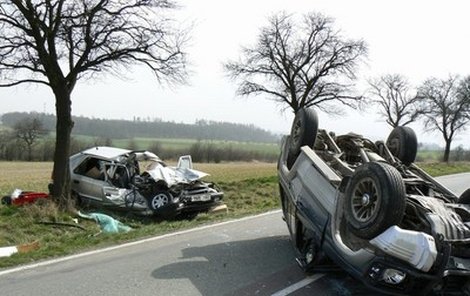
417, 39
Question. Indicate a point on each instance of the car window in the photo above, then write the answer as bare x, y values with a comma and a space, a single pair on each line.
92, 168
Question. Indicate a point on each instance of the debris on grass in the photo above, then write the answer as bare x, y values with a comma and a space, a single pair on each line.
61, 224
23, 248
107, 223
19, 197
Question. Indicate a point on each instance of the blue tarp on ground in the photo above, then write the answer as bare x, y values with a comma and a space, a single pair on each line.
107, 223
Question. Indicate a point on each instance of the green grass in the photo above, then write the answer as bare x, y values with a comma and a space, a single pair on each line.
440, 169
430, 155
185, 144
145, 143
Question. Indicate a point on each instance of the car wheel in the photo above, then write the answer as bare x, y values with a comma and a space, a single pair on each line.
403, 144
303, 132
159, 199
465, 197
374, 199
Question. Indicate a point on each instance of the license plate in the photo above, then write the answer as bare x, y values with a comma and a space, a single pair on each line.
202, 197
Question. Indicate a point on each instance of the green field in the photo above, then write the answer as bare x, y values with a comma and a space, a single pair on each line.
168, 148
185, 144
34, 176
429, 155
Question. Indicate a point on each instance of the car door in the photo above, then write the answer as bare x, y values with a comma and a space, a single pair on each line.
89, 178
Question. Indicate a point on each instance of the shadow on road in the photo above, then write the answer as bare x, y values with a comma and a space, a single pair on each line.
221, 269
253, 267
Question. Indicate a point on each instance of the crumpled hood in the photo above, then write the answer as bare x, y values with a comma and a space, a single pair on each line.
172, 175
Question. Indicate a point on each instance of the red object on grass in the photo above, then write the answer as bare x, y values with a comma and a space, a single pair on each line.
28, 197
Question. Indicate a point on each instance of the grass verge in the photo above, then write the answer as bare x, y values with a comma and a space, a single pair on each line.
440, 169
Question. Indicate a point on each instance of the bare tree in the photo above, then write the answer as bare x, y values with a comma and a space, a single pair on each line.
300, 65
393, 94
57, 42
446, 107
29, 131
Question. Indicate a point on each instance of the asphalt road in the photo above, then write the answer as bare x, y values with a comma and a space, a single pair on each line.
251, 256
458, 183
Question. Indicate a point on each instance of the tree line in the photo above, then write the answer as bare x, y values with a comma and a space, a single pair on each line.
13, 147
125, 129
28, 138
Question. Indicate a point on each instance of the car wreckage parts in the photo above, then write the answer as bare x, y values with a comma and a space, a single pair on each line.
110, 176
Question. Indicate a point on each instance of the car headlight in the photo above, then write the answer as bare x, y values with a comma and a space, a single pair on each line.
390, 276
393, 276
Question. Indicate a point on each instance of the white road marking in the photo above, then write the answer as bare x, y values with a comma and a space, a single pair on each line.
299, 285
155, 238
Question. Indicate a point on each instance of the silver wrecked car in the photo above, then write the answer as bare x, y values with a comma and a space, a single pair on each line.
367, 207
112, 177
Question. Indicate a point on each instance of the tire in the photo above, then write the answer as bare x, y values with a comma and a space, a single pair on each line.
303, 133
159, 200
465, 197
374, 199
403, 144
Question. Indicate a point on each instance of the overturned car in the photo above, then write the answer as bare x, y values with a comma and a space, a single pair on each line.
367, 207
112, 177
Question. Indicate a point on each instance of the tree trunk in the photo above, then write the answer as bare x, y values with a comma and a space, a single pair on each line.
61, 173
447, 151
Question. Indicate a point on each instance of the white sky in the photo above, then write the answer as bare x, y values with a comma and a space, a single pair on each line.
417, 38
